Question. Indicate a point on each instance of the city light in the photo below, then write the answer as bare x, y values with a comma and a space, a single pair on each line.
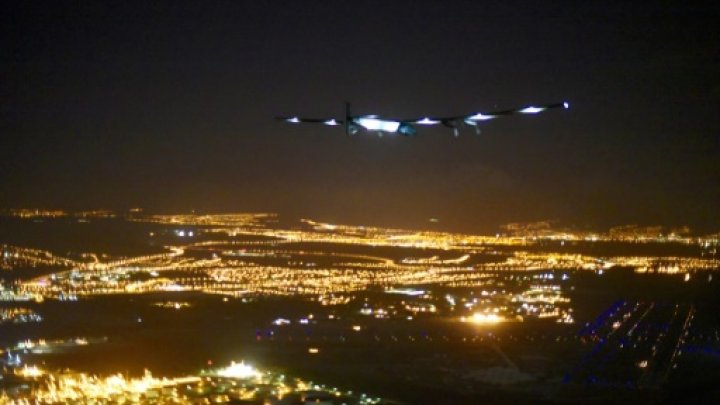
481, 318
238, 370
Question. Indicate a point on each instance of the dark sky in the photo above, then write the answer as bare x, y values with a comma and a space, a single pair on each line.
169, 106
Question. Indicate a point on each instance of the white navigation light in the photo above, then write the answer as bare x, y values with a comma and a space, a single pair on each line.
566, 105
480, 117
331, 122
532, 110
427, 121
294, 120
375, 124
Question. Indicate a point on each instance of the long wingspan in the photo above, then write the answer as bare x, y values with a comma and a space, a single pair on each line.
407, 126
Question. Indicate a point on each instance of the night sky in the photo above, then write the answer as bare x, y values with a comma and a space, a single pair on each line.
170, 106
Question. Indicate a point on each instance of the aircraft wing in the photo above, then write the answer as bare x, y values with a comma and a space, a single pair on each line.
408, 126
323, 121
474, 118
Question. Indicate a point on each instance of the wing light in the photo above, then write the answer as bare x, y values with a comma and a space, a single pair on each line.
427, 121
375, 124
532, 110
480, 117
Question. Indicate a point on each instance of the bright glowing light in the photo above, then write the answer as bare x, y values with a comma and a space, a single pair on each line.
294, 120
532, 110
356, 328
405, 291
480, 117
281, 321
313, 350
486, 318
375, 124
331, 122
238, 370
30, 372
566, 105
427, 121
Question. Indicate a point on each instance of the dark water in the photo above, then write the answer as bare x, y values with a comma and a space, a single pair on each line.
67, 236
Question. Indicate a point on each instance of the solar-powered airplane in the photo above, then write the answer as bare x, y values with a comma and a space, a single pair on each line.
354, 123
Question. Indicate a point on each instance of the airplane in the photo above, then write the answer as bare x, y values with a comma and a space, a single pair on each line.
407, 127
